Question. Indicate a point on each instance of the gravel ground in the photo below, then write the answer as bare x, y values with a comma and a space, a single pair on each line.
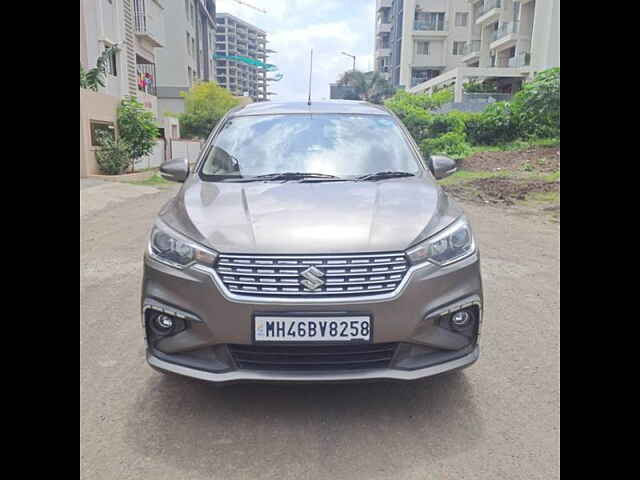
498, 419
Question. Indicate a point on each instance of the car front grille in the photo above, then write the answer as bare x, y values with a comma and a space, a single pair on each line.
313, 357
331, 276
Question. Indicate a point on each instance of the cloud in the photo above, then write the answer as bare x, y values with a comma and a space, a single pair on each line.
295, 26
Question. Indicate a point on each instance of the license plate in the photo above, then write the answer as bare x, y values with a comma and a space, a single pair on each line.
312, 329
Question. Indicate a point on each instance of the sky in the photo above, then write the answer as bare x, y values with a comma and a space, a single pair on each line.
294, 27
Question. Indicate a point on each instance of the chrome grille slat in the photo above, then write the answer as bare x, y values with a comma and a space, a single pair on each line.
304, 266
296, 275
342, 275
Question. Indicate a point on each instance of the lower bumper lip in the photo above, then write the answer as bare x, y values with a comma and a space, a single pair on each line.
301, 377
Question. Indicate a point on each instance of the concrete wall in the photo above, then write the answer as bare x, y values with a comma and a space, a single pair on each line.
441, 45
545, 41
173, 60
93, 106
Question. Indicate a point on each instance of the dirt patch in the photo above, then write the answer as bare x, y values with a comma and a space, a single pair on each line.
500, 190
543, 160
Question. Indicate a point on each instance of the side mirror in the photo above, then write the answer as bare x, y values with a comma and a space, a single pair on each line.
442, 166
175, 170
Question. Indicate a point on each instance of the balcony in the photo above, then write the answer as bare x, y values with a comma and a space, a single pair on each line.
488, 12
145, 76
383, 27
149, 22
383, 52
505, 36
431, 29
471, 51
383, 4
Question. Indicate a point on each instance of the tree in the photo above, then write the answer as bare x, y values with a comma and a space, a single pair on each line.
537, 105
368, 86
137, 128
94, 78
204, 105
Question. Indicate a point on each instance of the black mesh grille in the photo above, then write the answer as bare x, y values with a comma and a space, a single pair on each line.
313, 357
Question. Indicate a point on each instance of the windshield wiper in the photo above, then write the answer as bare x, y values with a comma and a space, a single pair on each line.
383, 175
293, 176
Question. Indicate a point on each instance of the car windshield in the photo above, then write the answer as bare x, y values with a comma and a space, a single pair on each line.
336, 145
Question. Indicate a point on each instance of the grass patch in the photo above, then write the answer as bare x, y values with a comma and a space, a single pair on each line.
517, 145
154, 181
462, 176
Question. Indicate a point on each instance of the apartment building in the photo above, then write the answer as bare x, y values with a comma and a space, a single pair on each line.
137, 27
417, 40
507, 41
188, 54
235, 37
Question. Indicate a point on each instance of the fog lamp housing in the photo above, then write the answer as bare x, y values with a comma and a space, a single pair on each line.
464, 321
163, 324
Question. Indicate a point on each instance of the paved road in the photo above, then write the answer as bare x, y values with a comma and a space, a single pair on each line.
497, 420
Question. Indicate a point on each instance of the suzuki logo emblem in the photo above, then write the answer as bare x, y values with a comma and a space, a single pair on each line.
312, 278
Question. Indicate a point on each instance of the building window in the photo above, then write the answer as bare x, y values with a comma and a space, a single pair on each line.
429, 21
99, 128
112, 64
188, 43
193, 47
458, 48
189, 75
422, 47
186, 8
461, 19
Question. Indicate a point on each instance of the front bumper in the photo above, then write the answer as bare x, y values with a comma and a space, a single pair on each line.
408, 318
302, 377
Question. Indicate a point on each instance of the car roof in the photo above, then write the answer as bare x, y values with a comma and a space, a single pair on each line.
326, 106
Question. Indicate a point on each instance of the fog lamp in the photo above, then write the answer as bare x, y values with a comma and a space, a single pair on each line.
461, 320
164, 323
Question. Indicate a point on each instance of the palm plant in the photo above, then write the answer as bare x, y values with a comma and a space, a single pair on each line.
94, 78
368, 86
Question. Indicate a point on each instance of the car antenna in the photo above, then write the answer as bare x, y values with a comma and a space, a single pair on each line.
310, 73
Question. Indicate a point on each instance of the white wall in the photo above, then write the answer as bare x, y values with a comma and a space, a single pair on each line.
173, 59
104, 26
441, 48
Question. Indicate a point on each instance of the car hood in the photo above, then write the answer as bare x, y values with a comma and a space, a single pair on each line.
309, 217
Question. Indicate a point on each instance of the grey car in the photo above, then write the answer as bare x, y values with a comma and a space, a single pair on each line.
311, 243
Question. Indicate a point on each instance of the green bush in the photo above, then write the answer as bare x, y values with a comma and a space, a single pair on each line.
537, 105
445, 123
498, 124
452, 144
204, 105
137, 128
533, 112
114, 155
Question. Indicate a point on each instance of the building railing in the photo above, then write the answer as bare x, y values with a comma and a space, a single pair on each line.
146, 78
489, 5
434, 26
505, 29
485, 97
471, 47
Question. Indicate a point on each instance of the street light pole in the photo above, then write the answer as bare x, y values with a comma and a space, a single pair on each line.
354, 59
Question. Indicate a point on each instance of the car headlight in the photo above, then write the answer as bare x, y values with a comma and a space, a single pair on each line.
172, 248
450, 245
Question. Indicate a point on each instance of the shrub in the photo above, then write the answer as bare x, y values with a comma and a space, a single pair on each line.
487, 86
498, 124
445, 123
114, 155
452, 144
537, 105
137, 128
205, 104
